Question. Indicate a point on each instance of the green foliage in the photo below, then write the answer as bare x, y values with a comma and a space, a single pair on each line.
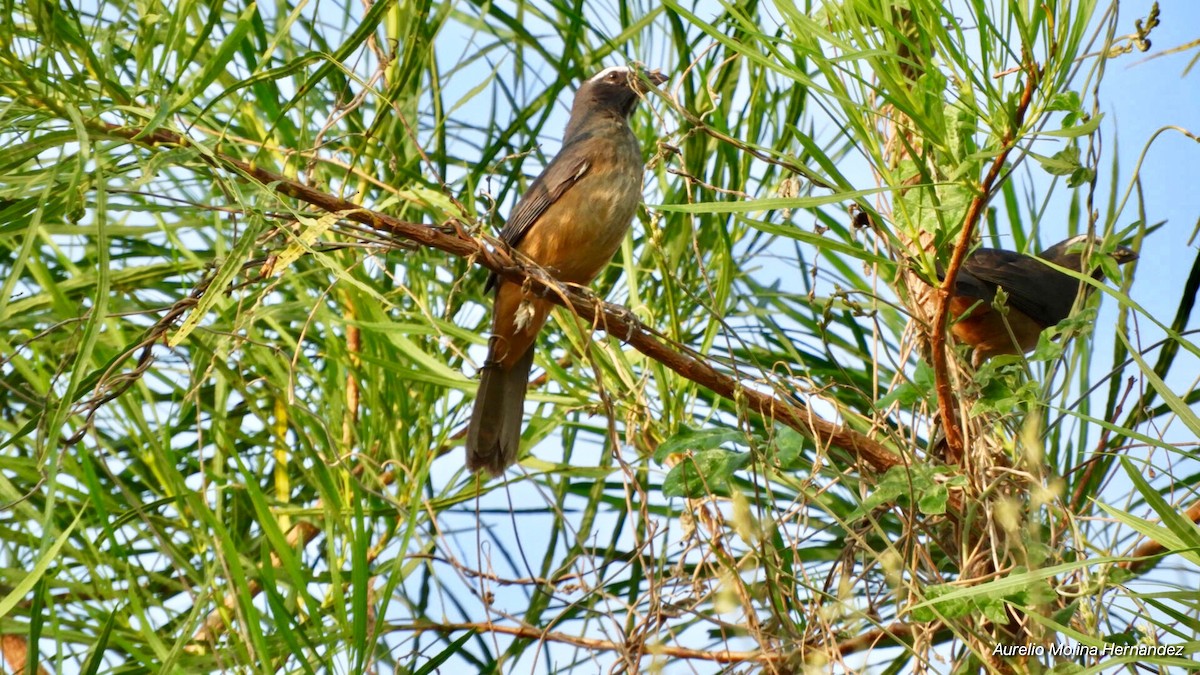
923, 486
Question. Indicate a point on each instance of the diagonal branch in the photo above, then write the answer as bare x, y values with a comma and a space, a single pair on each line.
1147, 555
612, 319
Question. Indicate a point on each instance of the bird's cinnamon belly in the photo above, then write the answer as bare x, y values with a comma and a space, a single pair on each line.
578, 234
986, 331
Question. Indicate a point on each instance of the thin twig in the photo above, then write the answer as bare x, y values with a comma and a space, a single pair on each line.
937, 338
533, 633
1089, 467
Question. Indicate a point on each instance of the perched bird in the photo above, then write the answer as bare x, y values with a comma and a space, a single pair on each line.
570, 221
1038, 296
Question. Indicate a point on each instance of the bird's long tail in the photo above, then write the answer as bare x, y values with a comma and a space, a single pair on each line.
494, 435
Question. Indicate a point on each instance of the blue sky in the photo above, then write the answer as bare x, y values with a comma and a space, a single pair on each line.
1138, 98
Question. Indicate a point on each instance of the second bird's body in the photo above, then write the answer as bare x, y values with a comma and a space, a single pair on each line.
1039, 296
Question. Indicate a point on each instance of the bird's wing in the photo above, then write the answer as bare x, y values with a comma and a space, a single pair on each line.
982, 271
1033, 288
564, 171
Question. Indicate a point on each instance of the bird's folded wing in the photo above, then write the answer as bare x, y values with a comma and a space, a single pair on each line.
564, 171
1036, 290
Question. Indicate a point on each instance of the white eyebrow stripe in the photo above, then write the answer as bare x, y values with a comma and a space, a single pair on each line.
614, 69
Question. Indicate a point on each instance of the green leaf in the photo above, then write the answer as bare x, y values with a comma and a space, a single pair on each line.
219, 62
1062, 163
1089, 126
453, 649
708, 472
31, 576
697, 440
934, 607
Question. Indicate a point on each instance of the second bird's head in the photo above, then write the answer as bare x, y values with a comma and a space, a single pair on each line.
1070, 253
615, 89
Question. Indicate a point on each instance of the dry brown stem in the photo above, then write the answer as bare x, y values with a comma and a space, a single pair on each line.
937, 338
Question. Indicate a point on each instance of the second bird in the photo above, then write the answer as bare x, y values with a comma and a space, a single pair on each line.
570, 221
1039, 296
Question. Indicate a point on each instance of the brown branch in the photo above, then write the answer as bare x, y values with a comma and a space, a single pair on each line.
1146, 553
937, 339
533, 633
895, 634
612, 319
110, 385
214, 624
892, 635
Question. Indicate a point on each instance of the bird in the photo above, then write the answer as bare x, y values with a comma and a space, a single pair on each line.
1038, 296
571, 221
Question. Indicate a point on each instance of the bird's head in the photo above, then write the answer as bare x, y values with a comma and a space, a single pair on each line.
615, 89
1069, 253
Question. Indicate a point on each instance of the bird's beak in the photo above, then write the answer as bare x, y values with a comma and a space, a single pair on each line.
1124, 254
641, 77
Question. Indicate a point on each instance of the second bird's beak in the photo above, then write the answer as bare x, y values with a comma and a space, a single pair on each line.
1124, 254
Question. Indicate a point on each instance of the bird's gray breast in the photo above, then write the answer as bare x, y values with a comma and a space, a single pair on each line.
614, 187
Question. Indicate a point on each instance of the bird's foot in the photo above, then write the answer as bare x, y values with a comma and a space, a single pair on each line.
454, 226
625, 316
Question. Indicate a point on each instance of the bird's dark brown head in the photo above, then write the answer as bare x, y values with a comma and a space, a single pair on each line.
615, 90
1069, 253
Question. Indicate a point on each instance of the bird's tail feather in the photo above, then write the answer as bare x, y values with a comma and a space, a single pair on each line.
494, 435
